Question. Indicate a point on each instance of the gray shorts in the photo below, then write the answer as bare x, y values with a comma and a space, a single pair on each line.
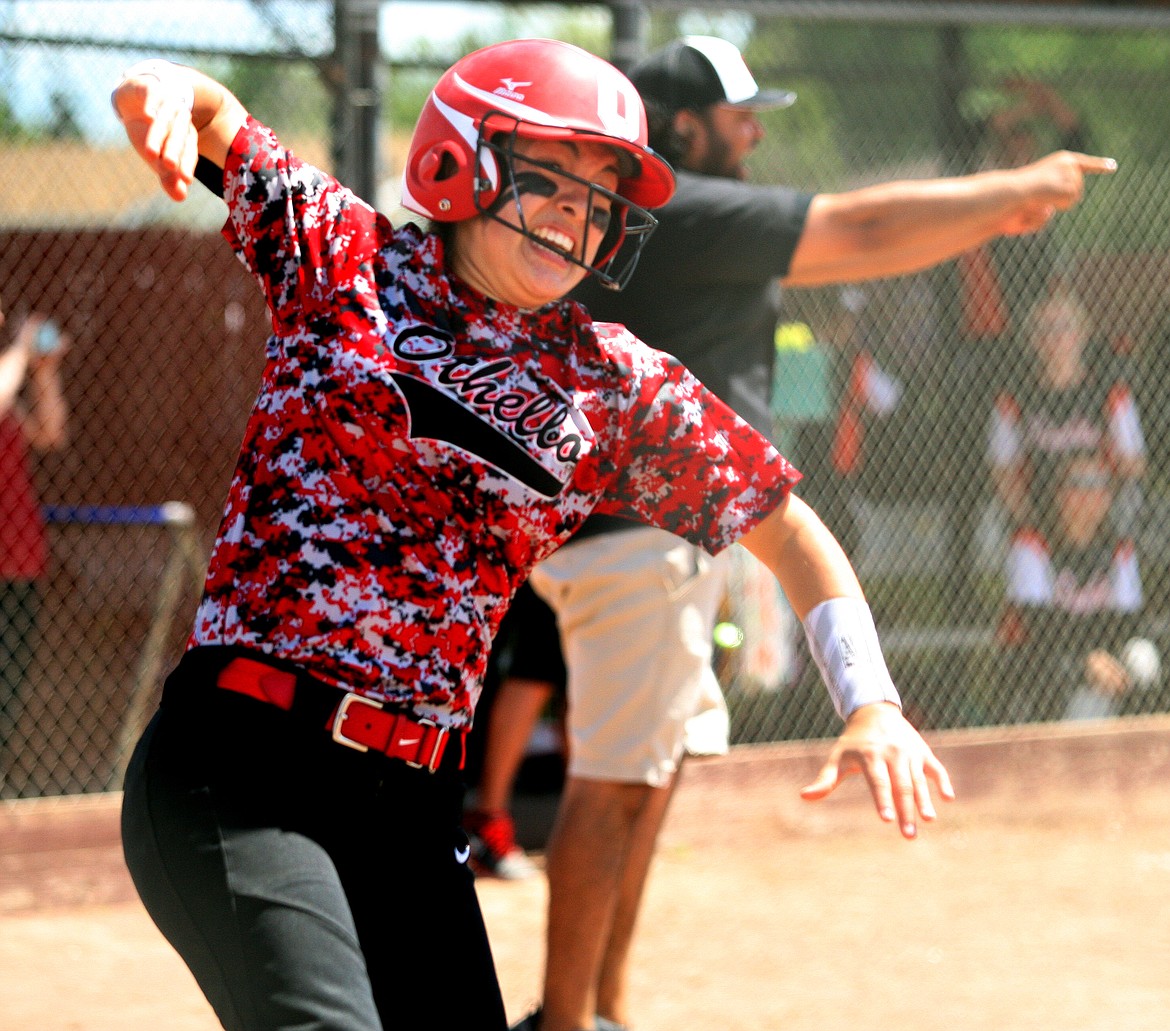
636, 611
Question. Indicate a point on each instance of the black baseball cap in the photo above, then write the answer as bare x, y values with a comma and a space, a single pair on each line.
697, 71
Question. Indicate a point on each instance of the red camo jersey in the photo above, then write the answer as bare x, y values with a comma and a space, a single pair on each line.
416, 448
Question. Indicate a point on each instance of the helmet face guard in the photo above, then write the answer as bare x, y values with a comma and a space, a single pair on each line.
626, 226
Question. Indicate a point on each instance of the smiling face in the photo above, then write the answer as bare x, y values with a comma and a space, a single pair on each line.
564, 215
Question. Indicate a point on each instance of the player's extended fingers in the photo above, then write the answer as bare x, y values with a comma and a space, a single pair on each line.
843, 764
922, 801
177, 140
157, 120
895, 790
826, 782
170, 146
187, 147
170, 157
926, 770
154, 136
938, 774
158, 117
174, 185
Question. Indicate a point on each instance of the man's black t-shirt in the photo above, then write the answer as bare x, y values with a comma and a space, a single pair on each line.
706, 288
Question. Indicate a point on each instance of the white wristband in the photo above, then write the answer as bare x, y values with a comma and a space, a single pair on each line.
169, 75
844, 643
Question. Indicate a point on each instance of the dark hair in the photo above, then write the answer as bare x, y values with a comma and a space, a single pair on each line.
661, 134
445, 231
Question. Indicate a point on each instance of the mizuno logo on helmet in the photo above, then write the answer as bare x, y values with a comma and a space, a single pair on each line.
511, 89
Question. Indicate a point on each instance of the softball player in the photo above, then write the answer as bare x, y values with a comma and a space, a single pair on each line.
432, 420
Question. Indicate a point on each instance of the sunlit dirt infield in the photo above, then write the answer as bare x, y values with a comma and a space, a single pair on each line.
1038, 901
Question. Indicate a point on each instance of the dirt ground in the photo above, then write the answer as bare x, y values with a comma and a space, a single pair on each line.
1038, 901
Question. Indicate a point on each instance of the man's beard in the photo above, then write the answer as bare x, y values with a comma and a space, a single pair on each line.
717, 159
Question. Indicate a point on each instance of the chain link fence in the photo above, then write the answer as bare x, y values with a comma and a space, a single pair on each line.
996, 517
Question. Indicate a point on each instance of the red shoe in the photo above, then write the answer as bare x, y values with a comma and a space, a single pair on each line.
494, 851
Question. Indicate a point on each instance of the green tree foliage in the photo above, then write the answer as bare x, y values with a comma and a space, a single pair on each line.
293, 97
11, 129
416, 72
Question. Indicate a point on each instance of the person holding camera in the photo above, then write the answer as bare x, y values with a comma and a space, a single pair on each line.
33, 419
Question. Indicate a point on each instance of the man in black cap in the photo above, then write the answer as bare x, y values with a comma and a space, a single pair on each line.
636, 606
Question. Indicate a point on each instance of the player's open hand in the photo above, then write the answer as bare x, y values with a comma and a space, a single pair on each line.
1054, 183
158, 125
898, 765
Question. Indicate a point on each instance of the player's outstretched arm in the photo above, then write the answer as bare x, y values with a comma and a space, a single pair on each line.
172, 114
877, 742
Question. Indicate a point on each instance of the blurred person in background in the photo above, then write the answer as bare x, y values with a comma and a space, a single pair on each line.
1033, 116
1001, 281
862, 392
1065, 441
33, 420
637, 607
991, 292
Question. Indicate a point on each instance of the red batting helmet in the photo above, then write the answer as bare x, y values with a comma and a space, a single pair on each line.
534, 89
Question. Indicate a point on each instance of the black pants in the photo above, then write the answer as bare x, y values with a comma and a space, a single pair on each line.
306, 885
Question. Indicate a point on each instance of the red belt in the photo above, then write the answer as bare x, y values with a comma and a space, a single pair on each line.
357, 722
